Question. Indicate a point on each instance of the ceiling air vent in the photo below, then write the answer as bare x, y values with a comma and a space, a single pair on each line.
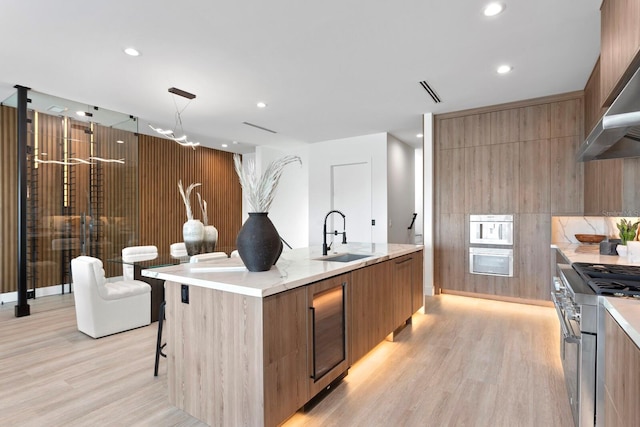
259, 127
432, 93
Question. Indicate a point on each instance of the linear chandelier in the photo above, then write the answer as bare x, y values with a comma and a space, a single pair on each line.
77, 161
171, 133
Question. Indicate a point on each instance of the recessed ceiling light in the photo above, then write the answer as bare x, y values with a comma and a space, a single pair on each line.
493, 9
261, 105
131, 51
419, 135
504, 69
225, 145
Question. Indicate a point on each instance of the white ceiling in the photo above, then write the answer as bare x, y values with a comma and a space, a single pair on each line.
327, 70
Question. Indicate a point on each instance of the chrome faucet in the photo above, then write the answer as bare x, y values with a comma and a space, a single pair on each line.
325, 248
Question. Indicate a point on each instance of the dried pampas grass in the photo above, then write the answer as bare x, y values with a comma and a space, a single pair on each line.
186, 195
260, 191
203, 209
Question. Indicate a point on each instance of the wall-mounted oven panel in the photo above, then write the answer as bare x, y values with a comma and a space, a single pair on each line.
491, 261
491, 229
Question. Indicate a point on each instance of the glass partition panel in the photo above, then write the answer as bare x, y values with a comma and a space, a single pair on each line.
82, 186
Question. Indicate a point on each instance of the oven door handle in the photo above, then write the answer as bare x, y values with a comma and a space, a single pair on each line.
568, 337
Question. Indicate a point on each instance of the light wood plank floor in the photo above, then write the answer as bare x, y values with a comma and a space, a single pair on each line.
468, 362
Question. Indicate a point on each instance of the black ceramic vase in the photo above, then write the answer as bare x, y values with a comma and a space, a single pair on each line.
258, 242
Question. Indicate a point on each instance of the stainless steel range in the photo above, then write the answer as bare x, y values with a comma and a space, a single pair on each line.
576, 292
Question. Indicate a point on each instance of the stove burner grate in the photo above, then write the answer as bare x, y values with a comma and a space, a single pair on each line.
611, 279
608, 271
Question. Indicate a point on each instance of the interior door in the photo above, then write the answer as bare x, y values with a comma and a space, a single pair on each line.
351, 194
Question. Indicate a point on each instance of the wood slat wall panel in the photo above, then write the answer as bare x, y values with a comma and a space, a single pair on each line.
8, 199
162, 212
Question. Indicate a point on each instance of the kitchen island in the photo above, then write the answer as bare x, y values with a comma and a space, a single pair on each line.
247, 348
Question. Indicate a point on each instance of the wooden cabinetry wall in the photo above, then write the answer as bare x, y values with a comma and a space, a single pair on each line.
510, 159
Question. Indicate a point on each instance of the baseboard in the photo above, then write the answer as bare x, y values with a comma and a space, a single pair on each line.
498, 298
40, 292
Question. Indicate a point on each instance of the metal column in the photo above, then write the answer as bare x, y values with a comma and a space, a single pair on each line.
22, 308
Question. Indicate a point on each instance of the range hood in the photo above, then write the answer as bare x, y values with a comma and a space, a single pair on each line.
617, 134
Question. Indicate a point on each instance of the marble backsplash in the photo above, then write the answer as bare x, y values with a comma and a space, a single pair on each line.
564, 228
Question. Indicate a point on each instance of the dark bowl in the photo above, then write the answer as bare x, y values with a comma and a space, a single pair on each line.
590, 238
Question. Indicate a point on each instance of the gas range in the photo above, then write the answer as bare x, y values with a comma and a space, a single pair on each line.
611, 279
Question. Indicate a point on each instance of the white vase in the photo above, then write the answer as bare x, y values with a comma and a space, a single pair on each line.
210, 239
193, 235
622, 250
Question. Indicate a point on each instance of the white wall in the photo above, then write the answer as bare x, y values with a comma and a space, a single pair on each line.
419, 209
400, 191
289, 211
428, 203
324, 155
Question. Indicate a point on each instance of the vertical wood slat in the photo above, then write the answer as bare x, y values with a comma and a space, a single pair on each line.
8, 200
162, 213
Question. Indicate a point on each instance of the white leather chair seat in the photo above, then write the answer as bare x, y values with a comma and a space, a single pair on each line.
123, 289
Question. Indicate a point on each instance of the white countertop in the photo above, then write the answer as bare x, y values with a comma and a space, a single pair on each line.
295, 268
576, 252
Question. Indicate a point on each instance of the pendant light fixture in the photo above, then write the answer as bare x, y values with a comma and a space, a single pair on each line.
171, 133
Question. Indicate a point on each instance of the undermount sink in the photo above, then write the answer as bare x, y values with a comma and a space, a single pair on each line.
346, 257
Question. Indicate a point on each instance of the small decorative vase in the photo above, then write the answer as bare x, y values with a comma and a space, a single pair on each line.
258, 242
210, 239
193, 235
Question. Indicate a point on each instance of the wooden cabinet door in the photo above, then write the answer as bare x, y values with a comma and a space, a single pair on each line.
285, 354
603, 184
450, 168
593, 109
535, 179
401, 273
622, 377
566, 177
619, 45
491, 178
417, 281
630, 187
451, 133
371, 309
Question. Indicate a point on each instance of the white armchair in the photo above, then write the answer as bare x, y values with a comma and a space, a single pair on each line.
133, 254
105, 308
208, 256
